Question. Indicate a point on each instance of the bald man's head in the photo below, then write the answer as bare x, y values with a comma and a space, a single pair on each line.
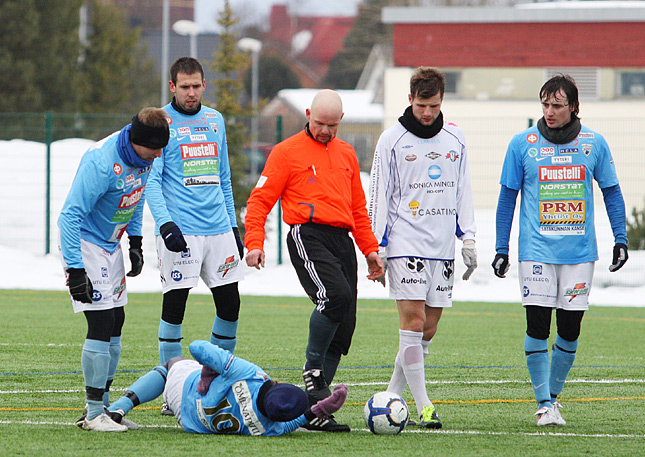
324, 115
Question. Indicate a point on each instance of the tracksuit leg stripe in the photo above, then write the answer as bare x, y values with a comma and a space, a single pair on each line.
321, 294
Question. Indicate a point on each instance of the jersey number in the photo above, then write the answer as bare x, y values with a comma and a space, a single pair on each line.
223, 422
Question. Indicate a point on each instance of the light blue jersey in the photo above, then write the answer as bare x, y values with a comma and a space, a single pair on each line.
556, 182
230, 405
190, 184
103, 201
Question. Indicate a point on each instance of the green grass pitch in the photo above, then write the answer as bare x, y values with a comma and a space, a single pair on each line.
476, 375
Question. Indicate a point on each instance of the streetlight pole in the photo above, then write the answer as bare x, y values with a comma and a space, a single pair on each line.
254, 46
191, 29
165, 39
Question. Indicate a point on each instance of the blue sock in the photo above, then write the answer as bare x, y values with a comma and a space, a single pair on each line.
562, 357
169, 341
223, 334
145, 389
95, 361
537, 361
115, 355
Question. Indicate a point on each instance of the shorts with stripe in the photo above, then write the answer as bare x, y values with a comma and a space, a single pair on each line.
324, 258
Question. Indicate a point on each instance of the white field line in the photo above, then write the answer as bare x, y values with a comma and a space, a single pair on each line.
444, 432
377, 383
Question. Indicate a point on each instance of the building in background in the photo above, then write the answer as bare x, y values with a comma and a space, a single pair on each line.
504, 53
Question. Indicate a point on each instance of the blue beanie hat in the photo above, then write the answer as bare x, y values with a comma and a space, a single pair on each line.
285, 402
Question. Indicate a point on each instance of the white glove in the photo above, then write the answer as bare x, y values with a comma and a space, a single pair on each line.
383, 255
469, 254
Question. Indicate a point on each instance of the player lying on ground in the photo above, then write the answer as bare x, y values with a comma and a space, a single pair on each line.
221, 393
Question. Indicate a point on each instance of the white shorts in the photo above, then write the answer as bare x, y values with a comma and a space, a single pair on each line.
107, 273
214, 258
173, 392
556, 286
411, 278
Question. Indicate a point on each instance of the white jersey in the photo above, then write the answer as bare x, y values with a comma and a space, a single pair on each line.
420, 194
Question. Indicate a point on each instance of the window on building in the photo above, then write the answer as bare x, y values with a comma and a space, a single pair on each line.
587, 80
452, 80
632, 84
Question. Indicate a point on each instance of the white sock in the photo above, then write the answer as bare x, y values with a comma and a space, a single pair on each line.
411, 359
398, 381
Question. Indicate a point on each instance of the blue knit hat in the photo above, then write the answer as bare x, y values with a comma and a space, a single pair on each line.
285, 402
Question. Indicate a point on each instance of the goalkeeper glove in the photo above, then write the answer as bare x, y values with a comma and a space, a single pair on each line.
500, 265
173, 238
620, 257
469, 254
136, 256
80, 286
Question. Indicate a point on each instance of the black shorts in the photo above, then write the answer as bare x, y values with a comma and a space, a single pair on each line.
325, 261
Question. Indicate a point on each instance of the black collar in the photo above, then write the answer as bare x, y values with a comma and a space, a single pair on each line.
422, 131
183, 111
564, 134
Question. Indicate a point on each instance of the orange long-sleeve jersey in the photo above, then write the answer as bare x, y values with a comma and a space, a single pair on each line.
317, 183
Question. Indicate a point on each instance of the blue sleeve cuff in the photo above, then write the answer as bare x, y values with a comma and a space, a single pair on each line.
504, 218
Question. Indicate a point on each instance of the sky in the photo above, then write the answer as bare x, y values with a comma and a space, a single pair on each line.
206, 11
24, 266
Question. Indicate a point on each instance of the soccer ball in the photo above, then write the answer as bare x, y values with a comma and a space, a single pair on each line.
386, 413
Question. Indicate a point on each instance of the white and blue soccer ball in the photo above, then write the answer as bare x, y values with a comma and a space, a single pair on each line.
386, 413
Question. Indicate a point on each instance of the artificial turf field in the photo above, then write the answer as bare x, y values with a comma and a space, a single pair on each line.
476, 375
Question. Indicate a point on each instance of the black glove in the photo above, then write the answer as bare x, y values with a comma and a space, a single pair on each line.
80, 286
238, 240
620, 257
136, 256
173, 238
500, 265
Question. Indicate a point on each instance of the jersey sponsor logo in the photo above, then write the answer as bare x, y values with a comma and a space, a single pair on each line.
434, 171
586, 149
562, 190
562, 212
173, 133
532, 138
448, 269
200, 137
441, 288
525, 291
104, 272
183, 131
562, 173
118, 290
413, 281
407, 146
96, 295
537, 269
198, 150
428, 140
585, 135
417, 210
176, 275
431, 184
532, 152
538, 159
561, 160
452, 156
131, 199
568, 150
213, 127
210, 114
433, 155
556, 230
120, 184
414, 265
201, 180
118, 169
579, 289
547, 151
244, 400
410, 157
169, 120
129, 180
228, 264
201, 129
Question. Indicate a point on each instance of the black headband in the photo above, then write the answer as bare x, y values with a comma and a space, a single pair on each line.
148, 136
